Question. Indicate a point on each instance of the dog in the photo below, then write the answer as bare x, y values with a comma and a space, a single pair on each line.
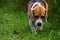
37, 14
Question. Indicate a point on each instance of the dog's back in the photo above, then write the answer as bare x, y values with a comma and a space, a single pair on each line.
36, 0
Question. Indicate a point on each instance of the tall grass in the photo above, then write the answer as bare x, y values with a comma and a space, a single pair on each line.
14, 23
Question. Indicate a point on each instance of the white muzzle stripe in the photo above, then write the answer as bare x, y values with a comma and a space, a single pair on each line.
39, 20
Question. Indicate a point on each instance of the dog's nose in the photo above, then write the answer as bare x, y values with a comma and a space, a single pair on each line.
39, 24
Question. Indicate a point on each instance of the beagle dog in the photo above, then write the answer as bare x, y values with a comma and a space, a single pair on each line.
37, 13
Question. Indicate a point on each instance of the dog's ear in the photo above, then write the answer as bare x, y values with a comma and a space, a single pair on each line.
32, 13
31, 16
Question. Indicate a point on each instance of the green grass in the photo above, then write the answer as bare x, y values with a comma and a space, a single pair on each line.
14, 26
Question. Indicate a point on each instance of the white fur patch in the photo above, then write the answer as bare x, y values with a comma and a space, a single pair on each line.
35, 4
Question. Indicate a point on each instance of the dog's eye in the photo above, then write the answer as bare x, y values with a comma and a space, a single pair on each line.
42, 17
36, 16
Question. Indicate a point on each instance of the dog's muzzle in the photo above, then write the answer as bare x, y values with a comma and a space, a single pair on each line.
39, 22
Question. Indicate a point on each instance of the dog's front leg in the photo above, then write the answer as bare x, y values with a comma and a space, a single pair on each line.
32, 26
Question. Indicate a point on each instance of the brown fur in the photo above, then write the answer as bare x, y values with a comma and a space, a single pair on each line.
39, 11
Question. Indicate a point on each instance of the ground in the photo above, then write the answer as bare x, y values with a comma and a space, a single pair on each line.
14, 26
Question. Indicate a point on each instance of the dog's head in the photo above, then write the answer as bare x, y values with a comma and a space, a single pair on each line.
38, 14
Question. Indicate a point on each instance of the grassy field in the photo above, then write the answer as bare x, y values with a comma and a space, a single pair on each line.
14, 26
